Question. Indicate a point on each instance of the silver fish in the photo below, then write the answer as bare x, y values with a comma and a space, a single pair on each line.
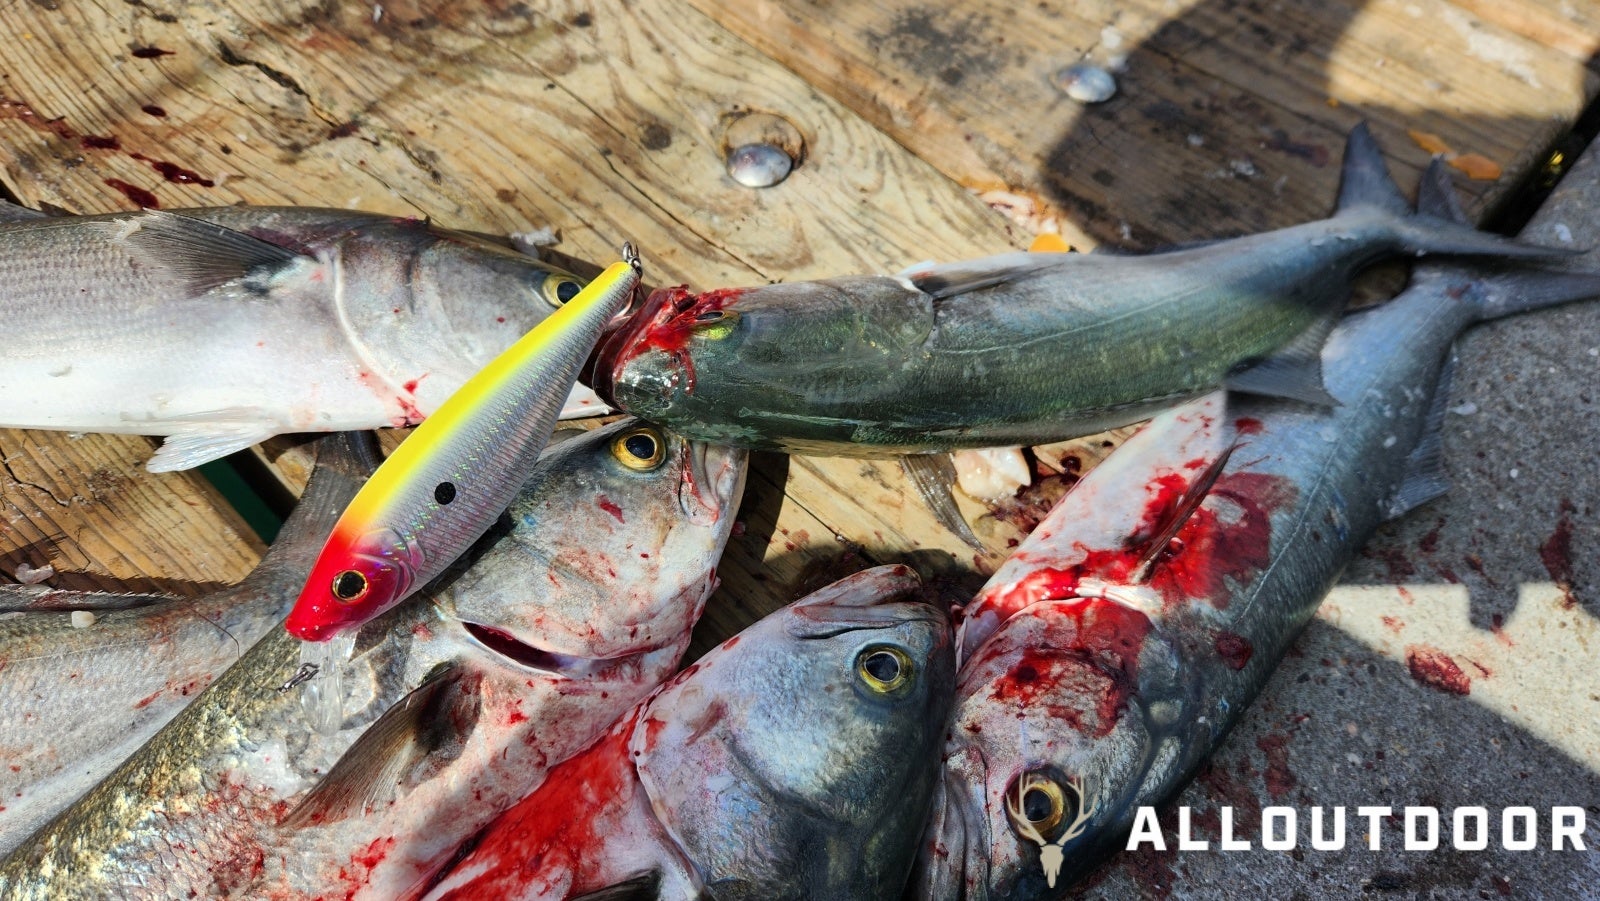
457, 703
75, 702
1018, 349
219, 328
795, 761
1107, 659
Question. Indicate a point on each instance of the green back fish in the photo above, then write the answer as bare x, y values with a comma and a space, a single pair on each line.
1018, 349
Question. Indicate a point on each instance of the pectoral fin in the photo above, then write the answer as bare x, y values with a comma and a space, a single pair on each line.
207, 256
1294, 372
1425, 478
433, 720
950, 279
191, 446
934, 475
1173, 518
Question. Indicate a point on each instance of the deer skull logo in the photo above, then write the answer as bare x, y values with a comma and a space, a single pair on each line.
1051, 855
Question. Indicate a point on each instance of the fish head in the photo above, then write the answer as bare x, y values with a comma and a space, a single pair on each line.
609, 549
429, 307
1058, 732
361, 572
803, 751
648, 366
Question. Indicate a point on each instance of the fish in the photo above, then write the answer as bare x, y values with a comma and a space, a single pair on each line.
445, 485
795, 760
75, 702
1019, 349
218, 328
1107, 659
458, 701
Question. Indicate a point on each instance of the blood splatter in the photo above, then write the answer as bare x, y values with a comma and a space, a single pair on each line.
152, 109
1435, 669
1556, 553
102, 142
1279, 780
174, 173
151, 52
138, 195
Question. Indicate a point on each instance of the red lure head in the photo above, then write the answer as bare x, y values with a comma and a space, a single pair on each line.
353, 581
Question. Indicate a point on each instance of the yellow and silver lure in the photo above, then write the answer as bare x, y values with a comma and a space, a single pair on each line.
445, 485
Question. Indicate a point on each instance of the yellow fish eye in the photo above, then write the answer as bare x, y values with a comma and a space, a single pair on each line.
714, 325
1043, 804
349, 586
884, 669
640, 449
558, 289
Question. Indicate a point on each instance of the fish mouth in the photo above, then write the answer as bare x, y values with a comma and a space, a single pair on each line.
526, 656
713, 481
615, 349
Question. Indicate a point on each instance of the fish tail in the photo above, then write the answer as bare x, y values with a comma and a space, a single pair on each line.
343, 463
1438, 226
1505, 291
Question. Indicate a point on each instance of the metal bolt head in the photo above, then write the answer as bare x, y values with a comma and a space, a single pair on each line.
1086, 83
759, 165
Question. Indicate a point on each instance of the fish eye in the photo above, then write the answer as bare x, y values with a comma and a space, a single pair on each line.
558, 289
715, 325
1043, 805
349, 586
883, 669
640, 449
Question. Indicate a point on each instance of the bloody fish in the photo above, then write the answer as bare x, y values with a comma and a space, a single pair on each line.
1106, 660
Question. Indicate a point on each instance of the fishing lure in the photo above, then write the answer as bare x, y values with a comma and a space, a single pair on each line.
445, 485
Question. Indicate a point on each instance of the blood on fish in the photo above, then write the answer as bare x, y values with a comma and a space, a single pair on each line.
1105, 641
609, 506
557, 828
1235, 650
666, 322
1246, 425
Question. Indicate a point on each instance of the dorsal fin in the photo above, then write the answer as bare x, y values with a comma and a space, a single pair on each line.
1364, 180
1179, 514
1436, 194
377, 766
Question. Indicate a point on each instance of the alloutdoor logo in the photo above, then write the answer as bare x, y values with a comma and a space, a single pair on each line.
1423, 829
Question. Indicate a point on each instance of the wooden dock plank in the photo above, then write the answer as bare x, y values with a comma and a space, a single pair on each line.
1222, 122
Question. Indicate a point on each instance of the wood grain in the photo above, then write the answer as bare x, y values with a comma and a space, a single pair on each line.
1229, 115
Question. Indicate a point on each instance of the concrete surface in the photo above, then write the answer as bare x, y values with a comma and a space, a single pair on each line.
1493, 591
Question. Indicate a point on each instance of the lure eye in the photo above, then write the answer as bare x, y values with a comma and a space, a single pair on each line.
558, 289
715, 325
1043, 805
350, 586
884, 669
640, 449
